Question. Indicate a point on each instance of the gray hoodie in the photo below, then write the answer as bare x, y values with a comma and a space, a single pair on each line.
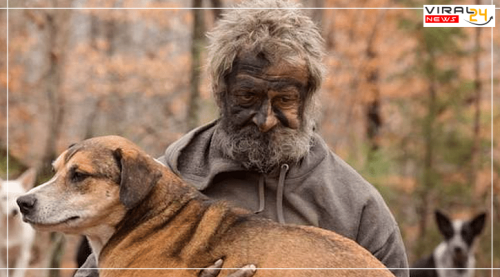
322, 190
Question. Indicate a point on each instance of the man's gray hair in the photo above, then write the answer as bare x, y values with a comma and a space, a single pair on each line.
275, 27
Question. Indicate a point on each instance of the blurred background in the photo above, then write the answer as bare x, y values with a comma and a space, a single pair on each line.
410, 108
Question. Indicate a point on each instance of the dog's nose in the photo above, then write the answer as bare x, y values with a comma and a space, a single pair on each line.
14, 212
26, 203
458, 252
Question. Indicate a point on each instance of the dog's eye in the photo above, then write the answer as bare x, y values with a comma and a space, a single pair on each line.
78, 176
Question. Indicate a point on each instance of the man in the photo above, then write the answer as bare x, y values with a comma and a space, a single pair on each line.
262, 153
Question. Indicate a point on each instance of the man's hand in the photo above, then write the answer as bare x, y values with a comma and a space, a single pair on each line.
89, 269
213, 270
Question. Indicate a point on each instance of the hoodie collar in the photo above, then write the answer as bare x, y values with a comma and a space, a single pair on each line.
195, 159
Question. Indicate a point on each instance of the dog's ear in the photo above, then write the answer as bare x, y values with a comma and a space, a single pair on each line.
477, 223
138, 176
28, 178
444, 224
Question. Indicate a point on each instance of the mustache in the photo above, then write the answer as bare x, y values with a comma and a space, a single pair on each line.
262, 151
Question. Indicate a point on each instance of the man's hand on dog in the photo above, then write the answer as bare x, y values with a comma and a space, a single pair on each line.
213, 270
89, 269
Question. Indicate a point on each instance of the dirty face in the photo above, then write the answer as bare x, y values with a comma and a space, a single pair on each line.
263, 113
266, 94
82, 195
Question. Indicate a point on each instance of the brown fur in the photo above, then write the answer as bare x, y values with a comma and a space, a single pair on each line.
159, 221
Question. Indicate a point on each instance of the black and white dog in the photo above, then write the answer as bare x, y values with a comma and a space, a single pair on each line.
454, 257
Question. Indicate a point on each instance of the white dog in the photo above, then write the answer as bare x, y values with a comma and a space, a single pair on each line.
18, 234
454, 257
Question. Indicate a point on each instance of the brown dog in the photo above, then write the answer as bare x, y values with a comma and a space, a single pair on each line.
139, 217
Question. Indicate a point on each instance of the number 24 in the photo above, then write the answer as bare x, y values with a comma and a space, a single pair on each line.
480, 13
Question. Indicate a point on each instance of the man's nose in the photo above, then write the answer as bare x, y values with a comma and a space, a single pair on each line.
265, 118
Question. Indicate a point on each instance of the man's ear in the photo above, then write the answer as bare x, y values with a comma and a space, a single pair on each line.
137, 178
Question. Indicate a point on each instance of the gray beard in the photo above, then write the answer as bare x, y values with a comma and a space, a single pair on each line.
263, 152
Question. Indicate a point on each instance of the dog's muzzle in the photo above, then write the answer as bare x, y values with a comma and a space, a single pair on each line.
26, 204
14, 212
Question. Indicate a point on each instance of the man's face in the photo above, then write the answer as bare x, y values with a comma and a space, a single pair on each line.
266, 95
263, 113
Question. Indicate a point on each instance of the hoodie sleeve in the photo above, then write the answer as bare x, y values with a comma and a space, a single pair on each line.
379, 232
392, 254
364, 215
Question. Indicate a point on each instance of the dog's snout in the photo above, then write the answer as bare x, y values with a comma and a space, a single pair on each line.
14, 212
459, 254
26, 203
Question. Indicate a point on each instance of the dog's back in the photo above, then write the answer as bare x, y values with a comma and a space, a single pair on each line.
296, 247
203, 232
454, 257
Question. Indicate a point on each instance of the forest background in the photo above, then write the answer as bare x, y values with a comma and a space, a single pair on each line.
410, 108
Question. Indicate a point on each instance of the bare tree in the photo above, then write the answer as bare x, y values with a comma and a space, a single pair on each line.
57, 33
57, 29
372, 109
217, 4
476, 125
196, 51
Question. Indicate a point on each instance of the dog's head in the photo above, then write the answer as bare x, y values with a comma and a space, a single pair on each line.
11, 189
460, 235
95, 183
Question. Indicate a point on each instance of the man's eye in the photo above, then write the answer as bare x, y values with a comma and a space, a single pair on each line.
247, 98
286, 100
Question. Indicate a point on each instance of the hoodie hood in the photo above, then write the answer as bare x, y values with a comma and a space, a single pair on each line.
195, 158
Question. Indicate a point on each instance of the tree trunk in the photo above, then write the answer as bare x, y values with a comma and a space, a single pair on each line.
58, 244
428, 167
217, 4
56, 22
474, 155
55, 100
196, 50
372, 109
